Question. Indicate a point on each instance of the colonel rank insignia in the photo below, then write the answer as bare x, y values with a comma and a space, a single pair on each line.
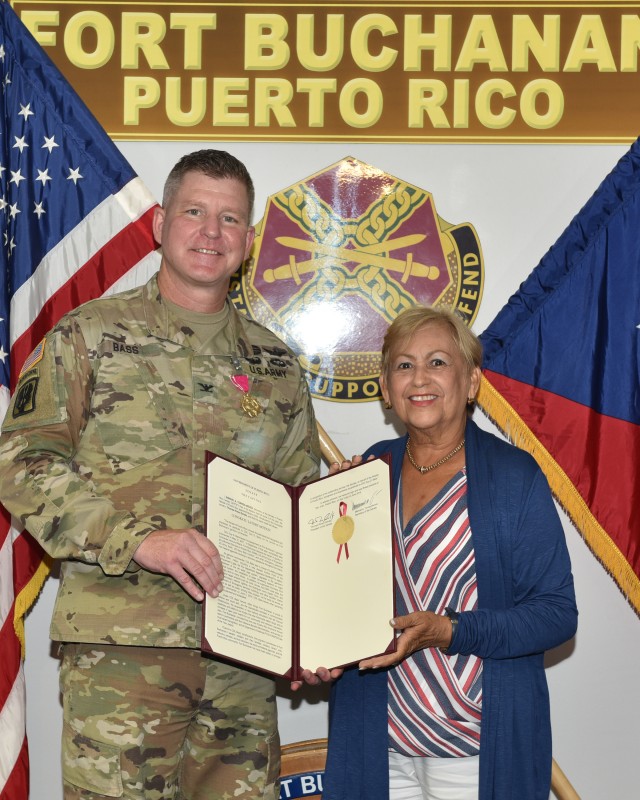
338, 256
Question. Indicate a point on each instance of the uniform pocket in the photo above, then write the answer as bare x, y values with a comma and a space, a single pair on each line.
91, 765
134, 414
255, 439
270, 749
273, 754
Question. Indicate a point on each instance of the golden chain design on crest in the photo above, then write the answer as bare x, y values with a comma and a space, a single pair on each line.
370, 282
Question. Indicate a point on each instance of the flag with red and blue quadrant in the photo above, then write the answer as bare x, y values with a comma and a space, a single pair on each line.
561, 371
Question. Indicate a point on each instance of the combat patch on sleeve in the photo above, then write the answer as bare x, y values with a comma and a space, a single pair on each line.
25, 399
35, 401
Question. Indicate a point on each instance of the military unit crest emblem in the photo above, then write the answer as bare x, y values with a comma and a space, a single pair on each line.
338, 255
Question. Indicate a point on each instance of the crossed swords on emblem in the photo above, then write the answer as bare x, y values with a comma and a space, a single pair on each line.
368, 255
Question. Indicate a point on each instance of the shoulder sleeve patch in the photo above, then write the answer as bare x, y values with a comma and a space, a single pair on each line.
33, 359
35, 400
25, 399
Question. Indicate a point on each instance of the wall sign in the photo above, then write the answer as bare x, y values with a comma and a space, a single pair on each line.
380, 71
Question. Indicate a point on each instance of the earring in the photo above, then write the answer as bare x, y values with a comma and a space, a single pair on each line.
470, 401
387, 404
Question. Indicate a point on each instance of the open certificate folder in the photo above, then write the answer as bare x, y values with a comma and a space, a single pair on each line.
308, 570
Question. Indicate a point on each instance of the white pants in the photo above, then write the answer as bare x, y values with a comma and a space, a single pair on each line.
416, 778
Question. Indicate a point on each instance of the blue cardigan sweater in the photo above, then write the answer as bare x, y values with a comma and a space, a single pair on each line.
526, 605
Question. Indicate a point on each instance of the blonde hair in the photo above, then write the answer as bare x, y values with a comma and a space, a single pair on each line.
411, 320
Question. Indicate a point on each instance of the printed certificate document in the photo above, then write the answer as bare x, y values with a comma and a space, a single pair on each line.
308, 570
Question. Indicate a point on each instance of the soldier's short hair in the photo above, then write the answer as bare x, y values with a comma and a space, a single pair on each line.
214, 164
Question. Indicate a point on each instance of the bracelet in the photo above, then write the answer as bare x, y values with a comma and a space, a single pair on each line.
453, 616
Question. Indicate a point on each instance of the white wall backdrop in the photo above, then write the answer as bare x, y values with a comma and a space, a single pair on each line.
519, 199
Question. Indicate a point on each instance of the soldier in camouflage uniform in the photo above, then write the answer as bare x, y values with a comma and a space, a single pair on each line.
102, 459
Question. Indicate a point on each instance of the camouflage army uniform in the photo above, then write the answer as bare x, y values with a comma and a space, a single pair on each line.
104, 442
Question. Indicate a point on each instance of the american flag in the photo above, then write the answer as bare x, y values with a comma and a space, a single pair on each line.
75, 222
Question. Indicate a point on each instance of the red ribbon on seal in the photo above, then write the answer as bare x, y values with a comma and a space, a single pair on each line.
342, 508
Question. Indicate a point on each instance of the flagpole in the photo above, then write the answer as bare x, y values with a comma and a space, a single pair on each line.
560, 784
329, 451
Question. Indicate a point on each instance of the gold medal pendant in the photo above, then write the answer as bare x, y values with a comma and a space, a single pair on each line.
250, 406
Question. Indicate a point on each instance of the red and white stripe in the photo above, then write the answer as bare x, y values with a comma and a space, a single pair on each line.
112, 240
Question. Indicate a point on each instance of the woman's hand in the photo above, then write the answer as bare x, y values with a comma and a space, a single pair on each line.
341, 466
417, 630
321, 675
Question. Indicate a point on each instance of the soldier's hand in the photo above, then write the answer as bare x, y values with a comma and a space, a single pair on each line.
188, 556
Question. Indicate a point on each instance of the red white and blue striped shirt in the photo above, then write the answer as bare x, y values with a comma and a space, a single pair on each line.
435, 700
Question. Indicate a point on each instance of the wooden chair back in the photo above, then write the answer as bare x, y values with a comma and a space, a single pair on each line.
302, 769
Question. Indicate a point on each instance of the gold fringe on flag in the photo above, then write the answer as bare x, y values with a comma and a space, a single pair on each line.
507, 419
27, 597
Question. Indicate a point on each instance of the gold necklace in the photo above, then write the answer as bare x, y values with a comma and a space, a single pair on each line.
421, 469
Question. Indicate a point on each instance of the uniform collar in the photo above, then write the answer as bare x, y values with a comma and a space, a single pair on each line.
161, 323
